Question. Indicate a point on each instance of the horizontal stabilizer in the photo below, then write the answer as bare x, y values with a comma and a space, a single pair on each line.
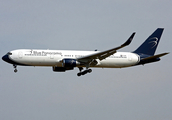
155, 56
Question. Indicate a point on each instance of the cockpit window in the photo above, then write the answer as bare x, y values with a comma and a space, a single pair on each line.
9, 53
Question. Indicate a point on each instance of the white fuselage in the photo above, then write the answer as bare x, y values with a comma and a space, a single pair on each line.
35, 57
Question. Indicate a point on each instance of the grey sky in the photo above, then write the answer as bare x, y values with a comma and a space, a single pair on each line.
37, 93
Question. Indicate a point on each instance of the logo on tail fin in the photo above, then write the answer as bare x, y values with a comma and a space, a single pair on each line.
155, 42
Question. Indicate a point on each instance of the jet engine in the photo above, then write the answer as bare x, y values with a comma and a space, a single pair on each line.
68, 64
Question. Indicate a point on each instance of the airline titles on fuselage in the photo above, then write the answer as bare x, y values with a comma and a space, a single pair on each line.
42, 53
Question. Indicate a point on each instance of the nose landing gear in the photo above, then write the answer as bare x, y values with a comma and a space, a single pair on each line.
15, 68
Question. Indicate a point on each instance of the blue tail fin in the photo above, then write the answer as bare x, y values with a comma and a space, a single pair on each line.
151, 43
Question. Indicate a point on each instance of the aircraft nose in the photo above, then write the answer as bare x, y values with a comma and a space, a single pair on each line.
5, 58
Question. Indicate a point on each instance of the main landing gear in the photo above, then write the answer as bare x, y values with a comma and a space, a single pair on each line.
15, 68
84, 72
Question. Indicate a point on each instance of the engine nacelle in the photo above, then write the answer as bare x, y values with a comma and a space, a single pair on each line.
62, 69
69, 62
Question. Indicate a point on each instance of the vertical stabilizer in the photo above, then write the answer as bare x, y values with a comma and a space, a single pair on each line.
151, 43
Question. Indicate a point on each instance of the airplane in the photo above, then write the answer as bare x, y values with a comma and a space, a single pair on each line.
64, 60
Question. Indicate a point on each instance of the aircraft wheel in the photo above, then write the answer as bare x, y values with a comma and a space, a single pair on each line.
84, 72
79, 74
15, 70
90, 70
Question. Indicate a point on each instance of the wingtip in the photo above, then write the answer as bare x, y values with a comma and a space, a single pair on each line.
133, 35
129, 39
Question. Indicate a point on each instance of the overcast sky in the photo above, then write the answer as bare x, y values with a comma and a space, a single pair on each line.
38, 93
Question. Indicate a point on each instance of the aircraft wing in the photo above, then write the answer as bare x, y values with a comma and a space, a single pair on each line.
104, 54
